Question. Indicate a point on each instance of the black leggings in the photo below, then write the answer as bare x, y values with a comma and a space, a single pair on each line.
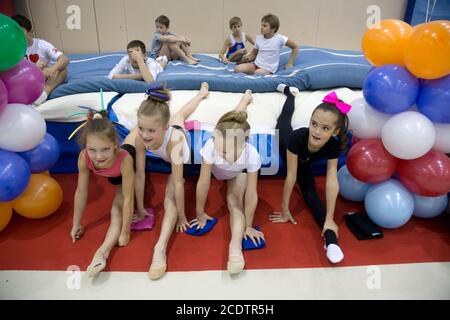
305, 177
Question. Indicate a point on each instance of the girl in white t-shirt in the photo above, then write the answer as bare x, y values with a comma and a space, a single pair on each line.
228, 156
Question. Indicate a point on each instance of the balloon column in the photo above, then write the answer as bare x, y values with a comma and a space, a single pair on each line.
25, 147
398, 165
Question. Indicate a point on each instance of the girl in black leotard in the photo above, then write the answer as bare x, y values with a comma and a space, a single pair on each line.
325, 137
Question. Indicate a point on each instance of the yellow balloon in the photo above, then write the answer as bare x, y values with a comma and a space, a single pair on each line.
5, 214
427, 54
385, 43
41, 198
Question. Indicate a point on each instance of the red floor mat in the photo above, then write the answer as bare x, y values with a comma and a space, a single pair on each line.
46, 245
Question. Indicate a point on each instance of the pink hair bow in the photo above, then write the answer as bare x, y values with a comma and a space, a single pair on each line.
333, 98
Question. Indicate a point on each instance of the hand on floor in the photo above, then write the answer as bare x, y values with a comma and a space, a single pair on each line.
282, 217
330, 225
255, 236
182, 224
124, 239
76, 233
140, 215
201, 220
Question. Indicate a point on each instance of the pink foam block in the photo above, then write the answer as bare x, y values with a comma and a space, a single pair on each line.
192, 125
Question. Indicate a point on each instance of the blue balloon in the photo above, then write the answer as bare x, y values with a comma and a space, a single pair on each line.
43, 156
391, 88
429, 207
14, 175
351, 188
434, 99
389, 204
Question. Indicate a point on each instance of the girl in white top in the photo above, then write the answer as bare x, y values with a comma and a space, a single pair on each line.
228, 155
163, 135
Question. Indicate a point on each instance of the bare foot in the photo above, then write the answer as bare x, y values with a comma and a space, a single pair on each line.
236, 261
248, 97
97, 265
158, 266
193, 58
190, 61
204, 90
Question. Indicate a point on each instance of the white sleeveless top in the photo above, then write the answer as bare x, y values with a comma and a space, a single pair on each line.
233, 40
162, 151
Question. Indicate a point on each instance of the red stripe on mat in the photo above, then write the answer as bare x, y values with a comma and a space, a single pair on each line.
46, 245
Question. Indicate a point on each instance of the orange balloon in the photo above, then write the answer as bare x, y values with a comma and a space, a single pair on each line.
5, 214
41, 198
47, 173
385, 43
427, 54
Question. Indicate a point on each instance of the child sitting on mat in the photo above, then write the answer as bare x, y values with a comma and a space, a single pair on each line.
265, 56
165, 43
234, 45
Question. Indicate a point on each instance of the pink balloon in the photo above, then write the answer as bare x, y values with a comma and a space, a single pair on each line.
25, 82
3, 95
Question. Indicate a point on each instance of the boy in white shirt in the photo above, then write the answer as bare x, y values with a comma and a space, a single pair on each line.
50, 60
267, 49
136, 65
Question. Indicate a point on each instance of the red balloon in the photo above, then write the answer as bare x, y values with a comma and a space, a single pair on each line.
355, 140
368, 161
428, 175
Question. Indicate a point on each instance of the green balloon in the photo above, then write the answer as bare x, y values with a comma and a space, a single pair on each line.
13, 43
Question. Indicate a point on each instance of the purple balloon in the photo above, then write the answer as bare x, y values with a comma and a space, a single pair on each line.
25, 82
3, 95
391, 89
14, 175
44, 156
434, 99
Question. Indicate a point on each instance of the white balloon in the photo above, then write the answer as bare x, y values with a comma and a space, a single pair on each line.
21, 127
442, 142
408, 135
364, 121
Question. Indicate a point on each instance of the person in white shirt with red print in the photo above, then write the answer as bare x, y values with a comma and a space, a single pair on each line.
49, 59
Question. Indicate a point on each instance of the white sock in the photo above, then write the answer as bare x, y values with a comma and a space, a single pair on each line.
281, 87
162, 58
294, 91
334, 253
41, 98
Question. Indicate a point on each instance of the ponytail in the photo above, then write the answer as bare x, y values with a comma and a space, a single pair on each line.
156, 104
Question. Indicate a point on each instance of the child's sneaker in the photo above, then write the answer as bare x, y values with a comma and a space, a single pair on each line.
162, 58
